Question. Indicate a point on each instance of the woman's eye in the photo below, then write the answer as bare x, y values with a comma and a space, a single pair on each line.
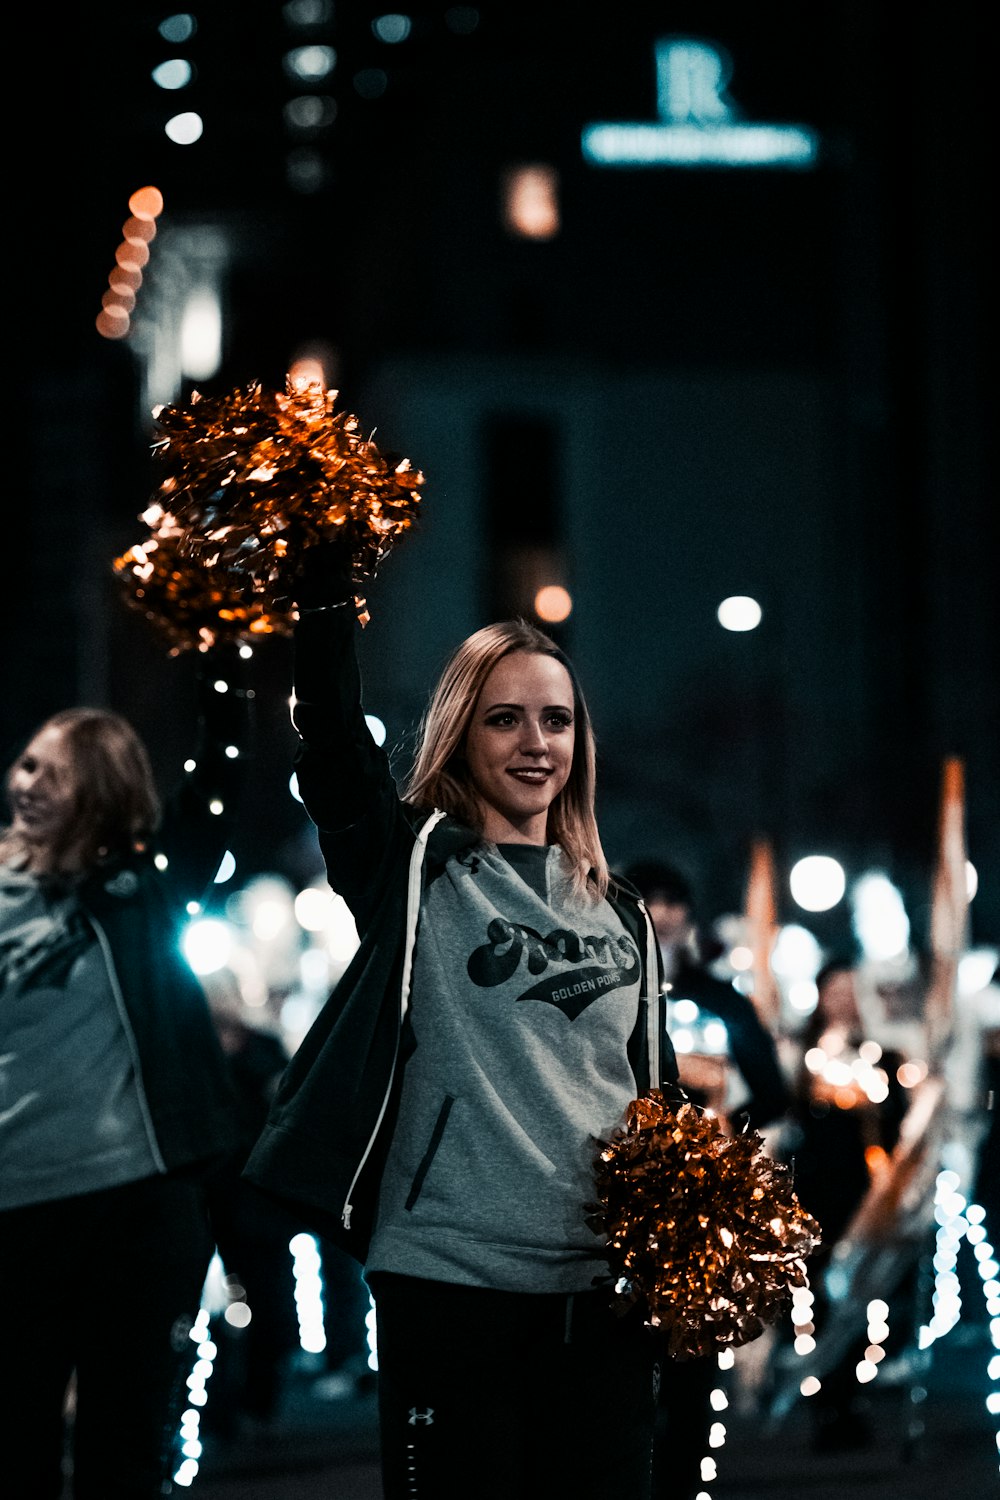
501, 719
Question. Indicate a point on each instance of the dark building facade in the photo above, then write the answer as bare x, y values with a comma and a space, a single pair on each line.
711, 381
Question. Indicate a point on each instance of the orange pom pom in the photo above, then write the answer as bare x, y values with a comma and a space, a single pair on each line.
252, 479
702, 1228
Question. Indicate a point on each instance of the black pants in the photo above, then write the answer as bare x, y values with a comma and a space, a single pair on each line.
684, 1420
106, 1285
504, 1394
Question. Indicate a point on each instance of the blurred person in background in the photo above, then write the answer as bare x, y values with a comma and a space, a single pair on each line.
746, 1084
441, 1118
253, 1233
741, 1080
839, 1138
115, 1103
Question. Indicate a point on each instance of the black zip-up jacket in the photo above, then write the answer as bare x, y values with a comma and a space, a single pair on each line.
322, 1150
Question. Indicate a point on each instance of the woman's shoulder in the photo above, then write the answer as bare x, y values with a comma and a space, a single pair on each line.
621, 888
120, 877
446, 836
18, 884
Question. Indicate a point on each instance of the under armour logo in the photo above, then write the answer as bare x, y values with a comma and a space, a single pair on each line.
427, 1417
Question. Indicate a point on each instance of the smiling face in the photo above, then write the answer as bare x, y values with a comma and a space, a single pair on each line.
42, 788
519, 745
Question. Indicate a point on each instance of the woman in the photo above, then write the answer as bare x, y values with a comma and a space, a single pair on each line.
843, 1124
440, 1119
114, 1101
839, 1134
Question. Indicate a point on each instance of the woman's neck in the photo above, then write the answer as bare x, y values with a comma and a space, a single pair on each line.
500, 830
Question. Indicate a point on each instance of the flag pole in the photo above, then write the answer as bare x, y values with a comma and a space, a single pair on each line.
949, 912
762, 922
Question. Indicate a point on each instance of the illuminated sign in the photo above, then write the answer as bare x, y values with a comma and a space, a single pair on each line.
699, 126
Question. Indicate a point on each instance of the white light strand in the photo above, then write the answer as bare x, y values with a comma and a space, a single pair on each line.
197, 1381
946, 1299
307, 1268
977, 1235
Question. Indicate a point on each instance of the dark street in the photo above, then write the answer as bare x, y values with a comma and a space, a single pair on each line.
932, 1436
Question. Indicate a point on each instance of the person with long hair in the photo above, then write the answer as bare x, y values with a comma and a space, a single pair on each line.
114, 1101
441, 1118
839, 1136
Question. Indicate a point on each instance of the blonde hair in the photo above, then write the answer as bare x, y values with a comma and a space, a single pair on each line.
116, 805
440, 775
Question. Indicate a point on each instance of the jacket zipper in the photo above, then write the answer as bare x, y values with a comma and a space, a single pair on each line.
413, 891
116, 990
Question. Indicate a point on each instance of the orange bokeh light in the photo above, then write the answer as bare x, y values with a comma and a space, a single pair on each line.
138, 231
112, 322
553, 603
125, 278
876, 1159
146, 203
130, 256
124, 298
120, 279
531, 201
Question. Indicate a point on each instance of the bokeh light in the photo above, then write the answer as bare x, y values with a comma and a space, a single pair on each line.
739, 613
553, 604
817, 882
